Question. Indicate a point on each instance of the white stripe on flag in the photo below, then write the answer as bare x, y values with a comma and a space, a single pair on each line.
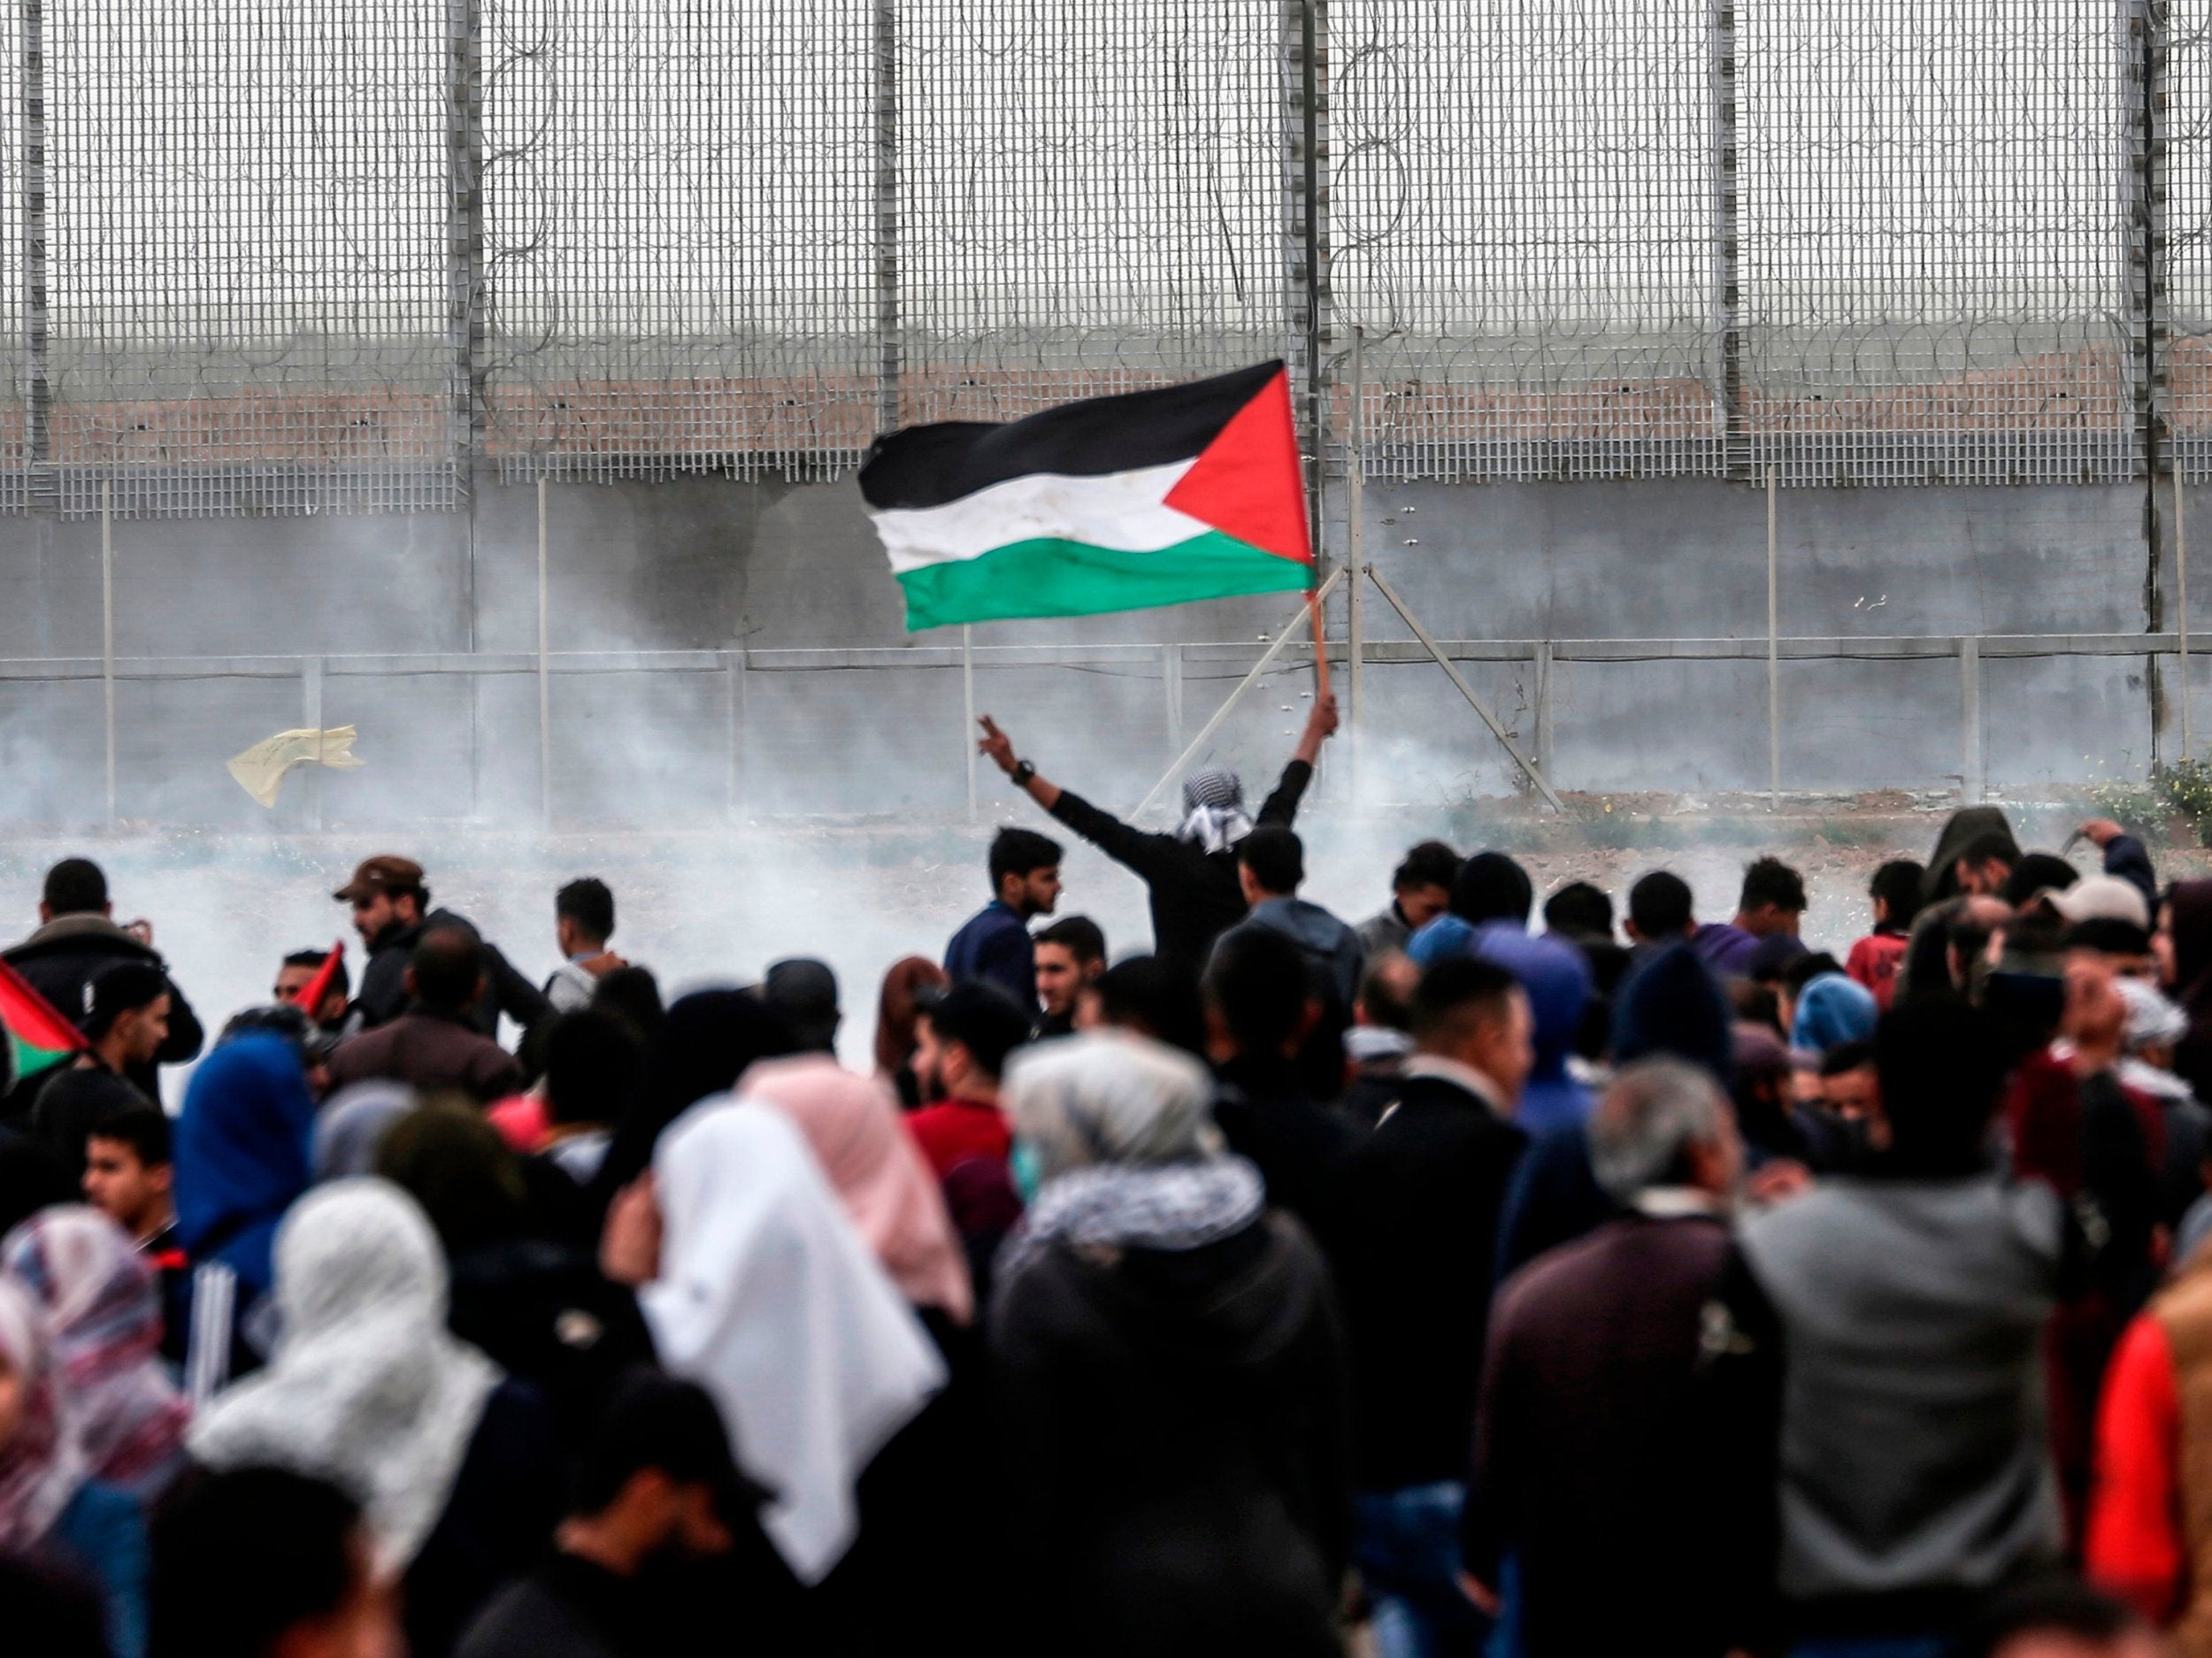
1125, 510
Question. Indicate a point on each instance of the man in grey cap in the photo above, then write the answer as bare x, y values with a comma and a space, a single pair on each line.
391, 912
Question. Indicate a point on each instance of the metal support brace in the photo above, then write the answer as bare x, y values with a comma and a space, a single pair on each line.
1528, 767
1972, 783
1291, 630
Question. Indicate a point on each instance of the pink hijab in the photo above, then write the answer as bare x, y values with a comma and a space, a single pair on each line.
852, 1123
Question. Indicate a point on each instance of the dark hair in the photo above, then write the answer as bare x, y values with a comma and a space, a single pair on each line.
1452, 986
1580, 910
448, 1157
1990, 844
242, 1556
594, 1065
1020, 852
1258, 983
589, 903
75, 886
1430, 863
143, 1128
981, 1018
633, 995
1276, 857
122, 986
449, 965
1897, 884
341, 981
1378, 999
802, 993
1846, 1057
2053, 1605
1660, 906
1770, 881
1148, 994
1491, 887
2036, 870
652, 1420
1807, 967
1078, 935
1940, 1067
1754, 1003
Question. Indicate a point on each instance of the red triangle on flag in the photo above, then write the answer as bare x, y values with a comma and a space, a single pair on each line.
1247, 482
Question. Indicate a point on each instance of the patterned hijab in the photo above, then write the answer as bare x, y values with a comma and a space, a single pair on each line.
1213, 801
102, 1309
43, 1466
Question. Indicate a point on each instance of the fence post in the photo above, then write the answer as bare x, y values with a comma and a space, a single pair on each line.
1543, 707
1172, 694
311, 717
1306, 157
967, 705
107, 631
1774, 652
545, 668
37, 378
733, 711
1972, 784
465, 236
2145, 302
1725, 303
890, 356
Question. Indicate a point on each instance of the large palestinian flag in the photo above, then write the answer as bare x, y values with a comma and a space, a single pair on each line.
1115, 504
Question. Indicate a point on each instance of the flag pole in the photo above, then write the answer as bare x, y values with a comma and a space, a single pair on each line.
1320, 643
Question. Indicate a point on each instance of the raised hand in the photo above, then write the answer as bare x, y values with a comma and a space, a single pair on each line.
995, 746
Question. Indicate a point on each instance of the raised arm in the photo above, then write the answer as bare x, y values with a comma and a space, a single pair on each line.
1140, 852
1282, 806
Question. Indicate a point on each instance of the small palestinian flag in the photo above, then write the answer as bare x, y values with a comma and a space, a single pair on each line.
38, 1036
1115, 504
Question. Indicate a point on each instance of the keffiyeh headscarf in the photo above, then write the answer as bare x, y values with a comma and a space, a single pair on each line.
43, 1466
1124, 1134
1213, 801
102, 1310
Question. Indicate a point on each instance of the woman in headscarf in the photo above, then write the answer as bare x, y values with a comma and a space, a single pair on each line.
52, 1512
102, 1307
877, 1172
454, 1464
351, 1123
1167, 1368
537, 1306
240, 1160
897, 1009
755, 1286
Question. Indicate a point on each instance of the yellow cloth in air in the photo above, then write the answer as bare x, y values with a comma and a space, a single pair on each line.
261, 767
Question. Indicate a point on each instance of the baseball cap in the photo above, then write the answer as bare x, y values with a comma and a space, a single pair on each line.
2102, 898
125, 985
385, 874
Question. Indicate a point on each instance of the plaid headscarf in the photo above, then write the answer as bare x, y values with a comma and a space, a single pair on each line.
1214, 801
43, 1466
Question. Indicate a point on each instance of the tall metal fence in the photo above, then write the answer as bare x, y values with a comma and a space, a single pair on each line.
357, 254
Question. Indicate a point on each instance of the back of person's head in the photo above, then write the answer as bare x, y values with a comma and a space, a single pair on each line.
341, 980
1940, 1066
1671, 1005
1804, 969
123, 987
589, 903
593, 1066
1898, 884
979, 1017
632, 994
1491, 887
804, 994
1580, 911
143, 1128
453, 1163
75, 886
241, 1558
1021, 852
1846, 1057
1454, 995
2057, 1616
448, 969
656, 1422
1769, 883
1275, 858
898, 1005
1991, 846
1660, 907
2035, 873
1430, 864
1386, 990
1647, 1123
1082, 937
1146, 994
1256, 988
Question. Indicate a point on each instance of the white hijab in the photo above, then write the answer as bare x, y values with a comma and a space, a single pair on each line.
367, 1389
769, 1300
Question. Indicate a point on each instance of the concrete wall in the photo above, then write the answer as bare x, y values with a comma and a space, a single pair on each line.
708, 563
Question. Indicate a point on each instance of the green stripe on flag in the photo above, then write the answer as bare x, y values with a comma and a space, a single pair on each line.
30, 1061
1051, 577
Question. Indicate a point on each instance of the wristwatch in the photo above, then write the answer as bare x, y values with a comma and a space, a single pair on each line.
1022, 772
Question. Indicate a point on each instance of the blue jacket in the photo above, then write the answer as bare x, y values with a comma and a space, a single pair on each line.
995, 947
242, 1154
1555, 978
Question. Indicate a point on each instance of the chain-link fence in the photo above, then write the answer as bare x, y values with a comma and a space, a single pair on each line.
356, 253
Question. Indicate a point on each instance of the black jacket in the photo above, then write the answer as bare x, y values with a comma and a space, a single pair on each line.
69, 952
1414, 1258
383, 994
1302, 1147
1196, 896
1171, 1437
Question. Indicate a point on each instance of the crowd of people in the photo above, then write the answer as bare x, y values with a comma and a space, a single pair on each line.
1504, 1272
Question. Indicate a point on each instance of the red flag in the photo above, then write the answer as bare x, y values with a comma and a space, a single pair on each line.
311, 994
